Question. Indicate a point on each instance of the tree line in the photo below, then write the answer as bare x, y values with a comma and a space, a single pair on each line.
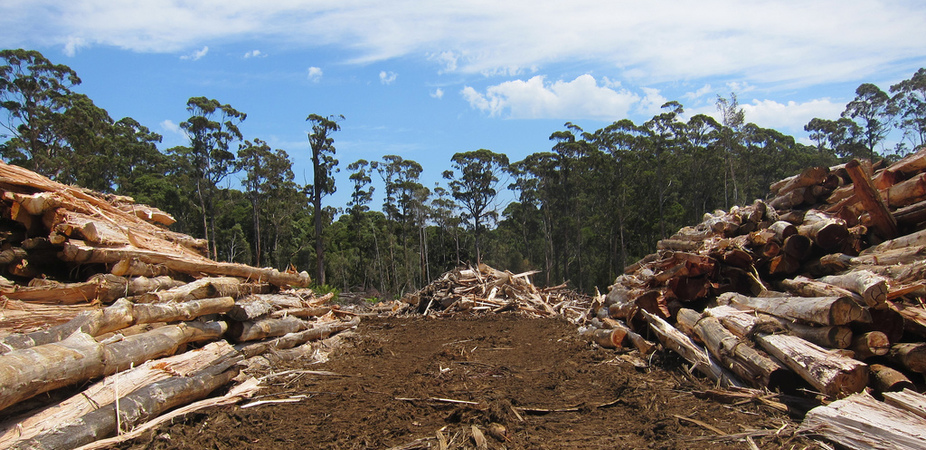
586, 207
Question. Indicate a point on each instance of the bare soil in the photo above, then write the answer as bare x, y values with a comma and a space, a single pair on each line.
408, 382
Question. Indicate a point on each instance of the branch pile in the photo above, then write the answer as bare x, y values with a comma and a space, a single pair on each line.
484, 289
108, 319
819, 288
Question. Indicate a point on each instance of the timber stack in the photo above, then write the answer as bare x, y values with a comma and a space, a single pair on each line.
483, 289
108, 319
819, 288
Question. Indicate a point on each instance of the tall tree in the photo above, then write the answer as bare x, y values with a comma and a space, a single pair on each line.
909, 104
871, 107
269, 185
475, 185
212, 128
323, 165
733, 118
35, 93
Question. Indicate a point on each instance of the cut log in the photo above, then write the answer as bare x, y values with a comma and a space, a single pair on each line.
911, 355
882, 221
202, 288
912, 215
837, 337
103, 392
743, 324
81, 252
908, 400
886, 379
914, 318
644, 346
906, 192
261, 329
83, 322
797, 247
806, 287
24, 317
135, 408
870, 344
607, 337
28, 372
735, 354
819, 310
917, 239
831, 374
169, 312
305, 312
291, 340
133, 267
809, 177
163, 341
824, 230
695, 354
249, 308
871, 287
860, 421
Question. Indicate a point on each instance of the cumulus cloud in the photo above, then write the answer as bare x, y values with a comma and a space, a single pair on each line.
387, 77
254, 54
197, 55
534, 98
438, 93
790, 116
73, 44
314, 74
698, 94
169, 127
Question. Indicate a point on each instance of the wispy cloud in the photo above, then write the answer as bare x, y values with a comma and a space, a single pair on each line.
254, 54
387, 77
438, 93
197, 55
314, 74
534, 98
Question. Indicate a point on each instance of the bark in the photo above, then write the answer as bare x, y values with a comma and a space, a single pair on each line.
911, 356
860, 421
644, 346
163, 341
202, 288
295, 339
825, 231
743, 324
908, 400
825, 336
735, 354
827, 311
607, 338
912, 215
806, 287
871, 287
809, 177
134, 267
867, 345
81, 252
695, 354
886, 379
260, 329
249, 308
916, 239
831, 374
914, 318
884, 224
169, 312
906, 193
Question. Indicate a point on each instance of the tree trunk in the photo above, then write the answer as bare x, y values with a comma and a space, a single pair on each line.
832, 374
886, 379
872, 288
881, 219
870, 344
264, 328
826, 311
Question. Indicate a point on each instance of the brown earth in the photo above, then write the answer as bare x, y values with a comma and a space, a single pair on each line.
404, 381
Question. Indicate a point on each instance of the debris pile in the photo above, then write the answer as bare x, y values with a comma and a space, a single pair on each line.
820, 289
484, 289
108, 319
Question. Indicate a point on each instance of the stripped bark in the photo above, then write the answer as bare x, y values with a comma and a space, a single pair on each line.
831, 374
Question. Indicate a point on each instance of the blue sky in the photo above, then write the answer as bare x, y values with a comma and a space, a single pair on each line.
426, 79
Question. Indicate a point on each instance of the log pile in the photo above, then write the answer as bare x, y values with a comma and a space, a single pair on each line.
108, 319
819, 288
483, 289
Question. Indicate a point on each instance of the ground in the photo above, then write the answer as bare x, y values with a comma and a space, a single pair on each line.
524, 383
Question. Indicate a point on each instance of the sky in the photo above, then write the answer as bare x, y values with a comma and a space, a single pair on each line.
427, 79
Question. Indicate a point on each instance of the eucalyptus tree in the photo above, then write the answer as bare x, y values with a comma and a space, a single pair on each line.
871, 107
212, 128
908, 103
733, 119
323, 165
474, 182
34, 92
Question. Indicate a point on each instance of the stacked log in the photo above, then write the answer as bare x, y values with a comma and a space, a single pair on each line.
95, 289
824, 280
485, 289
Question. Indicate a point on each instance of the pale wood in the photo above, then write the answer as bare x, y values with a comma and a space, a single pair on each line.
608, 338
201, 288
882, 221
906, 192
82, 322
28, 372
164, 341
169, 312
135, 408
819, 310
860, 421
806, 287
134, 267
808, 177
694, 353
103, 392
735, 354
254, 330
887, 379
825, 231
914, 318
837, 337
291, 340
743, 324
831, 374
301, 312
82, 252
911, 215
23, 317
916, 239
871, 287
908, 400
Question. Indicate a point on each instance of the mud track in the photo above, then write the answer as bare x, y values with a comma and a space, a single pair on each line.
407, 382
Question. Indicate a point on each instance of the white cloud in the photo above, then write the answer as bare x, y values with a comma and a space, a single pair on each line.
790, 116
169, 127
73, 44
535, 99
706, 89
315, 74
387, 77
652, 102
439, 93
197, 55
791, 42
254, 54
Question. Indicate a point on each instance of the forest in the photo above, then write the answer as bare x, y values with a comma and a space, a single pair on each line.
585, 207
